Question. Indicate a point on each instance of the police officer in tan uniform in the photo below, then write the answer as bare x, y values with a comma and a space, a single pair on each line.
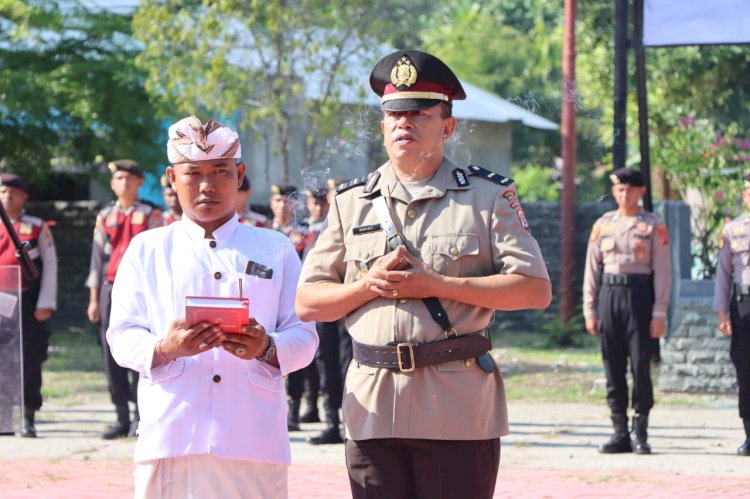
733, 277
417, 257
626, 288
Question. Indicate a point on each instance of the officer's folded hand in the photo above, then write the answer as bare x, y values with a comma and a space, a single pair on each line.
658, 327
184, 340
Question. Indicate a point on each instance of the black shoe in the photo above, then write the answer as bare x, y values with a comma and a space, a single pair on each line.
133, 432
29, 430
619, 443
330, 435
744, 449
311, 416
117, 430
640, 434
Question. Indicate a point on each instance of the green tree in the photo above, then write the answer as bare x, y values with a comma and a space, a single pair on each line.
271, 64
69, 90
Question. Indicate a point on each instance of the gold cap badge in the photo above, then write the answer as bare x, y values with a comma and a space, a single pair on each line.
614, 179
403, 74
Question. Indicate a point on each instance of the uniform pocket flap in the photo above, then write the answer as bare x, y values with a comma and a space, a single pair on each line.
365, 250
266, 382
167, 371
455, 246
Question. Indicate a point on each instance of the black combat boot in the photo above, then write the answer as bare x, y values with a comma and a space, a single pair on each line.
29, 430
744, 449
292, 419
332, 434
620, 441
122, 427
311, 414
640, 434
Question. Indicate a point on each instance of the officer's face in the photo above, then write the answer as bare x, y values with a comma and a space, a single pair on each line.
207, 190
627, 196
318, 208
170, 199
13, 200
416, 135
282, 207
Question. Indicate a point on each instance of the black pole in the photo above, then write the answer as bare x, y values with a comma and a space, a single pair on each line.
640, 81
620, 83
27, 266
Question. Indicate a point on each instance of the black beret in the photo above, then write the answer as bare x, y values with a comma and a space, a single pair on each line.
627, 176
13, 180
407, 80
125, 165
284, 189
245, 185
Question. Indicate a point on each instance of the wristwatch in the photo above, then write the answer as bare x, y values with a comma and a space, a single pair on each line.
269, 352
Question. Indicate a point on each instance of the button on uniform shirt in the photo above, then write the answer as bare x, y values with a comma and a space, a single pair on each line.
628, 245
467, 229
213, 402
734, 261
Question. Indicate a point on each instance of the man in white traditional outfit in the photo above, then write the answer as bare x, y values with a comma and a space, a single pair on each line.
213, 403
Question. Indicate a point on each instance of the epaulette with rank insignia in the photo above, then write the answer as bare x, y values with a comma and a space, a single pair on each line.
492, 176
352, 183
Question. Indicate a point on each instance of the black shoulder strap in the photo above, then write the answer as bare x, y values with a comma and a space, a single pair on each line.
348, 185
492, 176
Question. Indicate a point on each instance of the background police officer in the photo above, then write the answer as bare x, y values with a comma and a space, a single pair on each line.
39, 297
424, 406
626, 289
116, 225
733, 276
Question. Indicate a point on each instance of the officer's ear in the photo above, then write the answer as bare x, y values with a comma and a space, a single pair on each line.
449, 126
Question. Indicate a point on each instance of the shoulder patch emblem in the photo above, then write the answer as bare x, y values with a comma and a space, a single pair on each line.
24, 229
348, 185
663, 233
512, 199
460, 176
594, 232
492, 176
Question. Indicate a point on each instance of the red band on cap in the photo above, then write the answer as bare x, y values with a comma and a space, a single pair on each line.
420, 86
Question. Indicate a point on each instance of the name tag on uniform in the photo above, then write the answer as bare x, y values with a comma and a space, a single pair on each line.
258, 270
138, 217
366, 229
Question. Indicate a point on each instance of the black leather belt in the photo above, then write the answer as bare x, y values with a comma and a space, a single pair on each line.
626, 279
742, 289
408, 356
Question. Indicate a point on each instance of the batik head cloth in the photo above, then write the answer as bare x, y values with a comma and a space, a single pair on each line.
190, 140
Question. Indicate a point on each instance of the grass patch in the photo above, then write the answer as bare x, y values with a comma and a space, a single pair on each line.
74, 349
74, 385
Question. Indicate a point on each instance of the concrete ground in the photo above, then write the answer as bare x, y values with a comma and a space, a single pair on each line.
551, 452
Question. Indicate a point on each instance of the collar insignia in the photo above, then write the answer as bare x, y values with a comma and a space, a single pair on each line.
403, 74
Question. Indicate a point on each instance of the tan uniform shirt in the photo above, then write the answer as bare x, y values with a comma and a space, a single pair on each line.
734, 260
476, 229
628, 245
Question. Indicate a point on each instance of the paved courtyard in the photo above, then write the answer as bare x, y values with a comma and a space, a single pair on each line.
550, 453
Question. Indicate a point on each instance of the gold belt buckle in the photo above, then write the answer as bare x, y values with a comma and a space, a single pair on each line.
400, 358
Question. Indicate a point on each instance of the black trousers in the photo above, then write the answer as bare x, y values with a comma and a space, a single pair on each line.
35, 346
332, 360
393, 468
739, 350
121, 381
624, 321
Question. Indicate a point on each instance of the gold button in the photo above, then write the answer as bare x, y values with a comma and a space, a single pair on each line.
365, 254
403, 300
411, 213
467, 362
453, 251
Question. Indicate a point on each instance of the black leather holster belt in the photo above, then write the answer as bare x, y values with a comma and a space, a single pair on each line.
626, 279
742, 289
408, 356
